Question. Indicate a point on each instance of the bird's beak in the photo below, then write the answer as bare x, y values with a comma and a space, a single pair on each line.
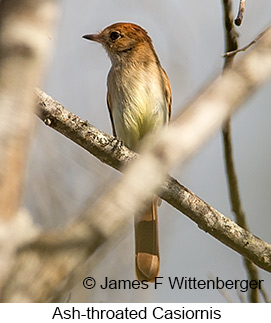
93, 37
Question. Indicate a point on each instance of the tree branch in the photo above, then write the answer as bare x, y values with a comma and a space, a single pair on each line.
24, 46
110, 151
238, 20
231, 45
243, 49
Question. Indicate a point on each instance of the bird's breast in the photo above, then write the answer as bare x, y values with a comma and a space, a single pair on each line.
138, 103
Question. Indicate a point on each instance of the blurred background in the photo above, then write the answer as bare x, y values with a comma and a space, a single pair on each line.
189, 39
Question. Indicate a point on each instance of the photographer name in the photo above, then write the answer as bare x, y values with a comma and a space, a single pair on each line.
184, 283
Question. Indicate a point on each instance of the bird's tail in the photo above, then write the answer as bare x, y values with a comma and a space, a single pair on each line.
147, 260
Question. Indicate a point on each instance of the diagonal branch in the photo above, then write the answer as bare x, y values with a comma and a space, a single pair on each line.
243, 49
108, 150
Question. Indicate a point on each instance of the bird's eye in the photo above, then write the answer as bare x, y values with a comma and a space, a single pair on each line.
115, 35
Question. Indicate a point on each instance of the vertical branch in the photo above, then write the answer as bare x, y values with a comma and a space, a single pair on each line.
231, 44
231, 35
24, 44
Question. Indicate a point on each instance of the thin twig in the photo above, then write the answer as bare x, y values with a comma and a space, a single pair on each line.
233, 52
223, 292
241, 296
265, 296
231, 46
238, 20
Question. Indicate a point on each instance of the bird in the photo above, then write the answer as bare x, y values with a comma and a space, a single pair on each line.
139, 101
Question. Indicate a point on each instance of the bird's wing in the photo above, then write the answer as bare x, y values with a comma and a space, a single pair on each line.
109, 105
167, 93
